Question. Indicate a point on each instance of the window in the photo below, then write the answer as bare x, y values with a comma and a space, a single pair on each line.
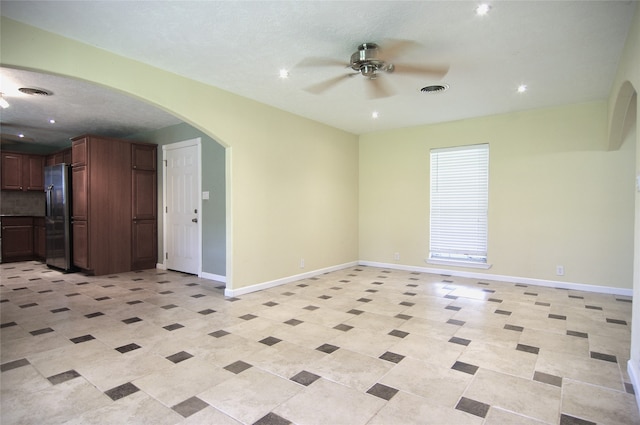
459, 205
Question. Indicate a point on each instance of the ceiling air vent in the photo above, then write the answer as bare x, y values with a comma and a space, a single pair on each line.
32, 91
435, 88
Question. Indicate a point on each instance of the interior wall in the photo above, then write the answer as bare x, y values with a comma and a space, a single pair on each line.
291, 183
213, 181
557, 195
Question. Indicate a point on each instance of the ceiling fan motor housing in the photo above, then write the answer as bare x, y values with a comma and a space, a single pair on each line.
366, 62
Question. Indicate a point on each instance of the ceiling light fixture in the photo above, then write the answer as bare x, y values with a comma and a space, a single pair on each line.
21, 135
483, 9
522, 88
52, 121
374, 115
3, 102
284, 74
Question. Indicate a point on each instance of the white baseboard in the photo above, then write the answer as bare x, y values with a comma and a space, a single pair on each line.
211, 276
634, 374
266, 285
502, 278
161, 266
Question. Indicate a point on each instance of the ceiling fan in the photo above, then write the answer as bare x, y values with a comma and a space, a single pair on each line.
371, 61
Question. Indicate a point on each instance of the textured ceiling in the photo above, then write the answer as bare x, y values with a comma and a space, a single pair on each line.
564, 51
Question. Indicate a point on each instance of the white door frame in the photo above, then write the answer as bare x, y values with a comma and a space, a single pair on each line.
178, 145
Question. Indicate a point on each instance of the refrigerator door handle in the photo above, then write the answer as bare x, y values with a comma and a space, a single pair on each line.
49, 199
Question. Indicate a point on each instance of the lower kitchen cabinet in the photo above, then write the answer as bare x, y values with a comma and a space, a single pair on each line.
144, 244
39, 238
17, 239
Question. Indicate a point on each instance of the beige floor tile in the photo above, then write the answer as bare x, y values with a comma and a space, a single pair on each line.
498, 416
442, 387
365, 342
500, 359
435, 351
325, 402
284, 359
209, 415
529, 398
598, 404
555, 342
250, 395
409, 409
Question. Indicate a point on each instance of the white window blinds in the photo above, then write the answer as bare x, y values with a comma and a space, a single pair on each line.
459, 203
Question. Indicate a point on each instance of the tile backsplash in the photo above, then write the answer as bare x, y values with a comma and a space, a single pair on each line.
22, 203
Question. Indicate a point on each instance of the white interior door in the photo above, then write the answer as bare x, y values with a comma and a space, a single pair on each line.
182, 206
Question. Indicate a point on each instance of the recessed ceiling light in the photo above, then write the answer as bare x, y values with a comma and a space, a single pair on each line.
483, 9
284, 73
522, 88
52, 121
374, 115
21, 135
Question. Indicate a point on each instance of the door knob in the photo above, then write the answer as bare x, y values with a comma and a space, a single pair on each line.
195, 220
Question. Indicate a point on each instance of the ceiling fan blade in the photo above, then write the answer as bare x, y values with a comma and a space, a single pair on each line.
392, 48
307, 62
378, 88
327, 84
432, 70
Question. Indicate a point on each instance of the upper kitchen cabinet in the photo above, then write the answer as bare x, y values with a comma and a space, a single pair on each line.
110, 186
62, 157
22, 172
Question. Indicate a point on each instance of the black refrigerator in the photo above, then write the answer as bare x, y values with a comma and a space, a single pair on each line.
57, 186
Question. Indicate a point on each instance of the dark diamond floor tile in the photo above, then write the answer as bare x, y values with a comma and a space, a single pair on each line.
473, 407
513, 328
63, 377
191, 284
606, 357
83, 338
382, 391
272, 419
305, 378
288, 293
8, 325
528, 348
578, 334
495, 300
92, 315
169, 306
578, 297
628, 387
324, 297
456, 322
179, 357
364, 300
14, 365
355, 311
103, 298
460, 341
451, 297
293, 322
593, 307
206, 311
232, 299
28, 305
270, 304
465, 367
453, 308
128, 347
165, 292
59, 310
403, 316
311, 308
548, 379
407, 304
572, 420
327, 348
270, 340
173, 326
503, 312
342, 327
134, 302
248, 317
557, 316
238, 367
198, 296
121, 391
532, 294
219, 334
398, 333
132, 320
616, 321
392, 357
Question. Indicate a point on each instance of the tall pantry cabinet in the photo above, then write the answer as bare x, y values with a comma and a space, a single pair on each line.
114, 218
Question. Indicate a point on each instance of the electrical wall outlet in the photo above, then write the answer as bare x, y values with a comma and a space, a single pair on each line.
302, 263
396, 256
560, 270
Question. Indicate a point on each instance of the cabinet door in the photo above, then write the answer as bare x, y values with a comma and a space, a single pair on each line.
144, 244
11, 171
79, 152
17, 243
144, 205
80, 195
143, 157
39, 241
33, 172
66, 156
81, 255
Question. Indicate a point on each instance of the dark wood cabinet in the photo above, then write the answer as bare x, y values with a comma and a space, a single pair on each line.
114, 199
22, 172
39, 238
17, 239
61, 157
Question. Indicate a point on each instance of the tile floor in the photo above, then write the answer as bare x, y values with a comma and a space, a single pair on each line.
362, 345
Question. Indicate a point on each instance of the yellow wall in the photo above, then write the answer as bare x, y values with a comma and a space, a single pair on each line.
557, 196
291, 182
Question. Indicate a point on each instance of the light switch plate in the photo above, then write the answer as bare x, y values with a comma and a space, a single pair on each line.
205, 195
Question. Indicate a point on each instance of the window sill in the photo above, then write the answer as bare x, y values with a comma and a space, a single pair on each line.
459, 263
